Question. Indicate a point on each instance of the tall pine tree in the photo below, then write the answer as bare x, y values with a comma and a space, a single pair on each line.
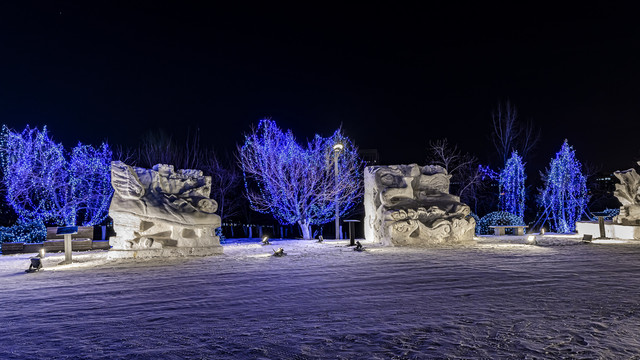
564, 196
512, 179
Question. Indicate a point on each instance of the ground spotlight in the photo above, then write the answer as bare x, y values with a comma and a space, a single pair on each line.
587, 238
358, 247
36, 265
531, 240
320, 239
41, 253
280, 252
265, 240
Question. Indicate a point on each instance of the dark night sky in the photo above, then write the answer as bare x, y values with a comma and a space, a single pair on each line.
394, 77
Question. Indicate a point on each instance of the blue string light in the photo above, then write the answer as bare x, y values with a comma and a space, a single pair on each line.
564, 196
497, 218
41, 184
298, 184
511, 181
32, 231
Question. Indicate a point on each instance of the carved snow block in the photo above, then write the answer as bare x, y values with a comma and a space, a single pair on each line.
409, 205
162, 212
628, 193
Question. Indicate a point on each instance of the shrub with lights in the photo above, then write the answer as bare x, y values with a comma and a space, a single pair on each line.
297, 184
477, 219
607, 214
497, 218
511, 182
32, 231
43, 185
564, 196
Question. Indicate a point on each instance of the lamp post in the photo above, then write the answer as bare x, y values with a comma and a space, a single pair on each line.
336, 151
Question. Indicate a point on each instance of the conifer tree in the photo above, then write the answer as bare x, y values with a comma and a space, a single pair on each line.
564, 196
512, 188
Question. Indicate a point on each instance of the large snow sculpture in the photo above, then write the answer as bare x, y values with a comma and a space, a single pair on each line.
411, 205
162, 212
628, 193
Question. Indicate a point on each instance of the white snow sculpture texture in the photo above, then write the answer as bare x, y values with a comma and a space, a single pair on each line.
162, 212
411, 205
628, 193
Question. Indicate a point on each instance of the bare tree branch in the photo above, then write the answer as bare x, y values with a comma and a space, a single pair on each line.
510, 134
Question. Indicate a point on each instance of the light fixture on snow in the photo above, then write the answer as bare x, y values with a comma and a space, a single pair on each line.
280, 252
587, 238
36, 265
320, 239
542, 231
358, 247
41, 253
265, 240
531, 240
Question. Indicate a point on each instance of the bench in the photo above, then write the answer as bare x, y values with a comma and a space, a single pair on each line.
76, 245
499, 229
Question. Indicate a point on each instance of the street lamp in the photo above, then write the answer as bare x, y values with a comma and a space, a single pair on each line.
336, 151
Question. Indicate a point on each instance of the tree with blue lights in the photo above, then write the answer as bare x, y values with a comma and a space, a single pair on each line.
511, 181
42, 184
90, 180
298, 184
564, 196
7, 215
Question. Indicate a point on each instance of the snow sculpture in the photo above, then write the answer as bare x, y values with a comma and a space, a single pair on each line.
162, 212
411, 205
628, 193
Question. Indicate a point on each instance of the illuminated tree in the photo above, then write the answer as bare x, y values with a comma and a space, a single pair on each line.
512, 179
298, 184
564, 196
7, 215
42, 184
90, 180
36, 176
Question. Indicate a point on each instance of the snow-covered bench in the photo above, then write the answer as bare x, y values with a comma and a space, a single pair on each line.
499, 229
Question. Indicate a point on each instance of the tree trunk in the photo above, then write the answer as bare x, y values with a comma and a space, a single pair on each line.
305, 227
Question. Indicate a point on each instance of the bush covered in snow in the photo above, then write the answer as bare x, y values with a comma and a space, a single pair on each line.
24, 231
497, 218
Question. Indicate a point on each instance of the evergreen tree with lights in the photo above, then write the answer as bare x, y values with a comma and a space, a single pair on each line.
298, 184
512, 188
564, 196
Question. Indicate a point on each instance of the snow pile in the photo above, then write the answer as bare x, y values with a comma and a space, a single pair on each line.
496, 299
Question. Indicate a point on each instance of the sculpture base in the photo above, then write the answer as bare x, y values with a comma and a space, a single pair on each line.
165, 252
611, 230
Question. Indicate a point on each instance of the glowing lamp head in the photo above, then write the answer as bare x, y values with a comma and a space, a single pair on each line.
338, 147
531, 239
42, 252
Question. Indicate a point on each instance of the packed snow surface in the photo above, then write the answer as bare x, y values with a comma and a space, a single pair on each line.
498, 298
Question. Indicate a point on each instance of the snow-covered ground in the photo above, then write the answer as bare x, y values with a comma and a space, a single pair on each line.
499, 298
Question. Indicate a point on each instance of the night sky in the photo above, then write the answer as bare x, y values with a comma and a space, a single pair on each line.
394, 76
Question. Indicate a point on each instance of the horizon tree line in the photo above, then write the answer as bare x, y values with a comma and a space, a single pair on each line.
267, 153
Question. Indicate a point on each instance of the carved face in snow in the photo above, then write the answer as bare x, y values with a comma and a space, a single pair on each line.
392, 179
414, 205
